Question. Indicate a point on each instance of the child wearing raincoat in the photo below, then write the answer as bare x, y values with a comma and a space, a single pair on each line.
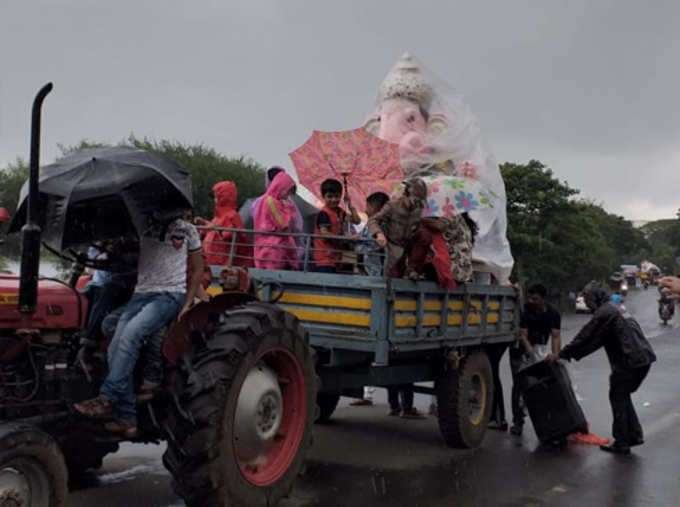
217, 244
275, 212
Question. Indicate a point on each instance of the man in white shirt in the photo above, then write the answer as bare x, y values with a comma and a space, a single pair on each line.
161, 294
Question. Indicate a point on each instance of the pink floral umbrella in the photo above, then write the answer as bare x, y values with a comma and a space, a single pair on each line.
361, 161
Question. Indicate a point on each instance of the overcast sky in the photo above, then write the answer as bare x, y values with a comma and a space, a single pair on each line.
589, 87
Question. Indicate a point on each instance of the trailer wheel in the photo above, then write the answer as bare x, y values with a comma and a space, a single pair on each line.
245, 405
465, 400
32, 470
327, 404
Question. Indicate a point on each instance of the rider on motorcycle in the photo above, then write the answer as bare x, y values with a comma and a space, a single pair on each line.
666, 306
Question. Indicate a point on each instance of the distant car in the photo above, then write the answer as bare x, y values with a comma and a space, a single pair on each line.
581, 304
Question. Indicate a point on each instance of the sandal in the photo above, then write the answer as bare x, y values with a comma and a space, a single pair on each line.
96, 408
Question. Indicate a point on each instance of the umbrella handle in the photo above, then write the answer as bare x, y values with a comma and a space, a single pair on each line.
347, 201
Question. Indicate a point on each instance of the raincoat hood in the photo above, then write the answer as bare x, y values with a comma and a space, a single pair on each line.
226, 197
596, 292
226, 194
280, 186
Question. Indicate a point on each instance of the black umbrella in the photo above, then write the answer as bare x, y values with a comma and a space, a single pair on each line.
105, 193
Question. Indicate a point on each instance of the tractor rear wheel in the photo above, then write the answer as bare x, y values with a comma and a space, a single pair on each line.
245, 404
32, 469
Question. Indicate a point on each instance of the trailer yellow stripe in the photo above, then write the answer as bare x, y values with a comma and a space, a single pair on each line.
435, 320
407, 305
346, 319
296, 298
329, 302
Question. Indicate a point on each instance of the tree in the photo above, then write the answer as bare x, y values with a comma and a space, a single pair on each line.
663, 237
559, 240
206, 166
12, 177
535, 204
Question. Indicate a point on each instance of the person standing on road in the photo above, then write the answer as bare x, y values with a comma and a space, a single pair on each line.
630, 356
540, 322
400, 398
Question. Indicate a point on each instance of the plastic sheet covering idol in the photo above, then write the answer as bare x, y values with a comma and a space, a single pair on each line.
438, 135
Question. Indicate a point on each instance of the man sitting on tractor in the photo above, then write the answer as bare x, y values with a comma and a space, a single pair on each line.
160, 295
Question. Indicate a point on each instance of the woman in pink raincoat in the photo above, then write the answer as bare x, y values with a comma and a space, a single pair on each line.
275, 212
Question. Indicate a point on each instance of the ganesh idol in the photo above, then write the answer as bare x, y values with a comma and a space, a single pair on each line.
439, 137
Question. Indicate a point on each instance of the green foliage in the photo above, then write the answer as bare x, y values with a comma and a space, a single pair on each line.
84, 144
207, 167
12, 177
559, 240
664, 240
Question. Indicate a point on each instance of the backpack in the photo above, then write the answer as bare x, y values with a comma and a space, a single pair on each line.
637, 350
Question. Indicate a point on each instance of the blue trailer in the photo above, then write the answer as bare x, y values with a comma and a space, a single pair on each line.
380, 331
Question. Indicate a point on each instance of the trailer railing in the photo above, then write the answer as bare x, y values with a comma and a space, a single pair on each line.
353, 251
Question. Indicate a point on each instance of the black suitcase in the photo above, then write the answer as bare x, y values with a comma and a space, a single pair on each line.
551, 401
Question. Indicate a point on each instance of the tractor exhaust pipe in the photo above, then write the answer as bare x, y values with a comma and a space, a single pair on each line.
30, 232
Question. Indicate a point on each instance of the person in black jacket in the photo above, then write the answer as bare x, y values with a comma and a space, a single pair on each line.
539, 328
630, 357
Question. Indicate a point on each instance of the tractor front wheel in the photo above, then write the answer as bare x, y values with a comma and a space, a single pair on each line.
32, 468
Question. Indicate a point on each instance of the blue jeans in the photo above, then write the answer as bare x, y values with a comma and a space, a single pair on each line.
103, 299
144, 314
152, 351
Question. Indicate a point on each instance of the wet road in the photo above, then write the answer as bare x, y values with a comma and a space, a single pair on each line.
367, 458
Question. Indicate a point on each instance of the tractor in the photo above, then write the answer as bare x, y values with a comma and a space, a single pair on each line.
236, 406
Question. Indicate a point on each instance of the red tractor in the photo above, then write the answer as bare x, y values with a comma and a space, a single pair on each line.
236, 406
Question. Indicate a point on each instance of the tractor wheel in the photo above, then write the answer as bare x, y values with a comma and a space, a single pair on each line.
327, 404
32, 469
465, 400
245, 403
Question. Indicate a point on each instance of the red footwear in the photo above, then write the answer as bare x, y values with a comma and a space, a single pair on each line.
128, 429
96, 408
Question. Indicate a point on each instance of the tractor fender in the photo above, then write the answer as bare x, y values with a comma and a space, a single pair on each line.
179, 338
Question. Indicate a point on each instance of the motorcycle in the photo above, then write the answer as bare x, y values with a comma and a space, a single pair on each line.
666, 310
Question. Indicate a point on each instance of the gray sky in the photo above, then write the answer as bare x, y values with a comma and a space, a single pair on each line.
587, 87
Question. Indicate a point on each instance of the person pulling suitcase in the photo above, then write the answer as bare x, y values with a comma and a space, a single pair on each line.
630, 357
539, 324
